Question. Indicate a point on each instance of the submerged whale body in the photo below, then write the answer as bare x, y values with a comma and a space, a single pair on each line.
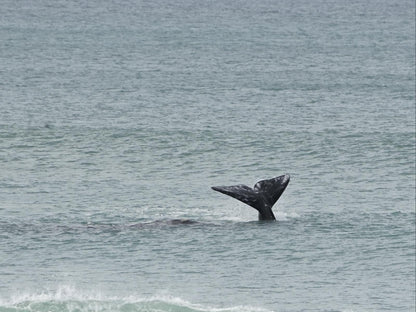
261, 197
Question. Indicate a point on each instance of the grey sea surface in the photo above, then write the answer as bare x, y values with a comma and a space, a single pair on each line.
116, 118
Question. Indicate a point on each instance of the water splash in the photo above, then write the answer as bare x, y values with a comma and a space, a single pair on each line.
69, 299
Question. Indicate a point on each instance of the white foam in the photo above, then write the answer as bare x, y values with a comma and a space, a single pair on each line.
76, 300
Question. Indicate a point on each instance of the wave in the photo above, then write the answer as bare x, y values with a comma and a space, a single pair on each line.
67, 299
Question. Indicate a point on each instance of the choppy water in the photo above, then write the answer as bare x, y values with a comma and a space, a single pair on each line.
116, 118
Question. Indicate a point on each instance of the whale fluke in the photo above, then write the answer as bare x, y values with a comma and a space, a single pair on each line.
261, 197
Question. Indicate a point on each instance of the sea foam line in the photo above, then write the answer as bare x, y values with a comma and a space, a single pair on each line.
75, 300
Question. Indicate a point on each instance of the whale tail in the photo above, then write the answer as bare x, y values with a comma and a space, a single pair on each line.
261, 197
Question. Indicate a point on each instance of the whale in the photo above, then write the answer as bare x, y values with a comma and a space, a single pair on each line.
261, 197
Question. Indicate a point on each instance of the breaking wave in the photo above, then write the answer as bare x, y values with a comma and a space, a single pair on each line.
68, 299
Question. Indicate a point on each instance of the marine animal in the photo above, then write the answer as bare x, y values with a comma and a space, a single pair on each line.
261, 197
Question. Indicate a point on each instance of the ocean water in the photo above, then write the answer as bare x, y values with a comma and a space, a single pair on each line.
116, 118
